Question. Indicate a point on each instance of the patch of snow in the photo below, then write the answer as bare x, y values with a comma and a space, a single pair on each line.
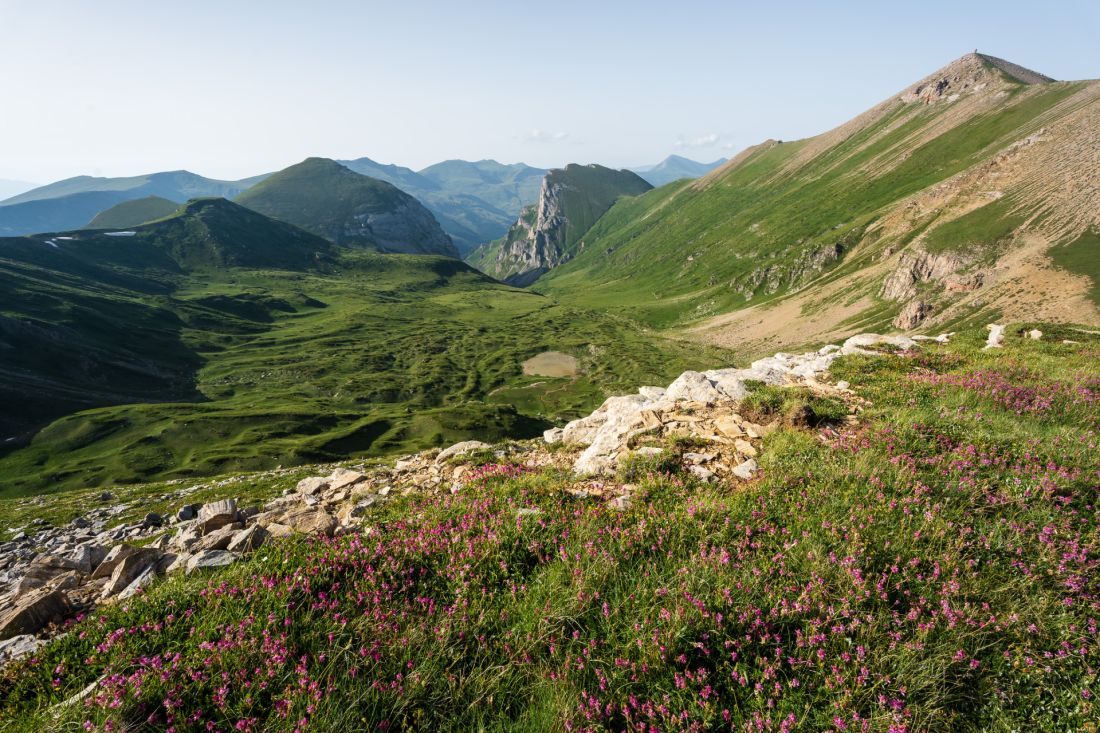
120, 234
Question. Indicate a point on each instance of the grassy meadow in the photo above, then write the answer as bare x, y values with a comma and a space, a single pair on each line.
931, 568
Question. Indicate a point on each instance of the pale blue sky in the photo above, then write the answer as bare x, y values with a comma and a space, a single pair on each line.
230, 88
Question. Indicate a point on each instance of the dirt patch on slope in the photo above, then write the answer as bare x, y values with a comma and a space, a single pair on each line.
551, 364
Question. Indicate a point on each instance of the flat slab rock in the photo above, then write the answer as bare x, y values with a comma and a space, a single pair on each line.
33, 611
19, 646
458, 449
209, 559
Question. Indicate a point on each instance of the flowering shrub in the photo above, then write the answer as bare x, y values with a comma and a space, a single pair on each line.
1025, 393
906, 576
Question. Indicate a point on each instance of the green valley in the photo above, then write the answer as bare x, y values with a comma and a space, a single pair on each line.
219, 340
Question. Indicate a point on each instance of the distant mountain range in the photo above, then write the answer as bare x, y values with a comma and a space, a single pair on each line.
73, 202
474, 201
174, 185
675, 168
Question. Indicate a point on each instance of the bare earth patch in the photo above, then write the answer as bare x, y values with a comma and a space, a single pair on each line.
551, 364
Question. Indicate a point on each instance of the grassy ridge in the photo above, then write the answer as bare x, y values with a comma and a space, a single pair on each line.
931, 569
133, 213
681, 253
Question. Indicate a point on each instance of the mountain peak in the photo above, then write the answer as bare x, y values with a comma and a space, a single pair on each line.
971, 72
348, 208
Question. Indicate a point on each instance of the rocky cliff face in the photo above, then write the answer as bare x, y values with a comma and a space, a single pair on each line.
407, 227
549, 232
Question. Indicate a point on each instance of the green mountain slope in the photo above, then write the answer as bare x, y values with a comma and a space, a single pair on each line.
133, 213
219, 340
88, 318
324, 197
549, 232
935, 201
475, 202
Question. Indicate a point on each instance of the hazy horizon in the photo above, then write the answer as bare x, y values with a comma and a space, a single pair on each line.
121, 88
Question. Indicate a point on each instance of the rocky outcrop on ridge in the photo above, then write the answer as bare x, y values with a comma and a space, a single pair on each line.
548, 233
704, 404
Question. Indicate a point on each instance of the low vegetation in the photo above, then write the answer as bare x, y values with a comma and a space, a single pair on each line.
931, 568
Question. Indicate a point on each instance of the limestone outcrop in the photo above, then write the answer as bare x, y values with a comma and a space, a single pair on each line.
702, 403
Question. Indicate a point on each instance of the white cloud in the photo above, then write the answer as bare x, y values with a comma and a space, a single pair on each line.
544, 136
703, 141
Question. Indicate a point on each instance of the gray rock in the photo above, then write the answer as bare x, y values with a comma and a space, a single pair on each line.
186, 537
458, 449
859, 344
746, 470
310, 520
217, 514
996, 336
19, 646
344, 477
703, 474
187, 512
210, 559
152, 519
142, 581
33, 611
127, 570
45, 567
692, 387
219, 539
314, 485
553, 435
165, 561
247, 540
179, 562
114, 556
913, 314
88, 556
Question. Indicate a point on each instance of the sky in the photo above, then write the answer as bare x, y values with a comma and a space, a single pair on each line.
230, 89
